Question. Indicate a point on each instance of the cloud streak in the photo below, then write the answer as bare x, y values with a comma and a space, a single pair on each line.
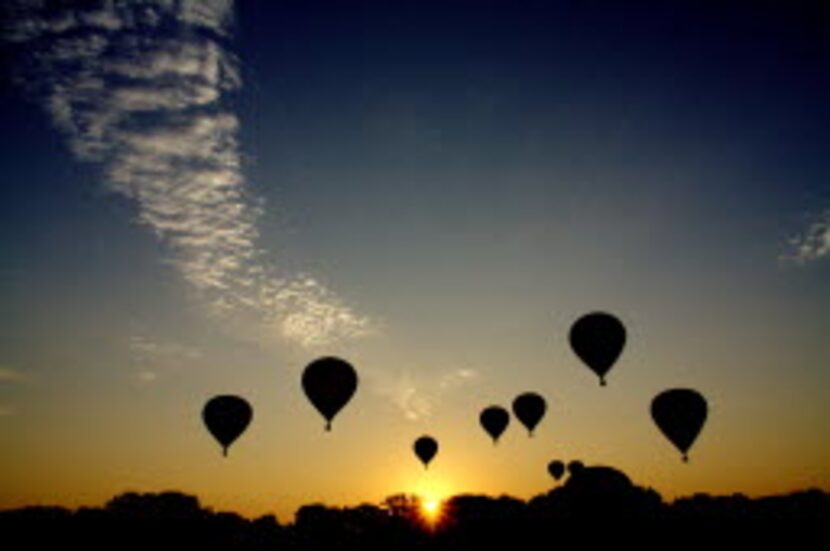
812, 244
149, 357
416, 398
140, 89
8, 375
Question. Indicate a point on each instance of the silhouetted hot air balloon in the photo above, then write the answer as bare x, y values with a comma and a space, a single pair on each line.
425, 448
494, 419
227, 417
329, 384
575, 467
598, 339
680, 414
556, 468
529, 408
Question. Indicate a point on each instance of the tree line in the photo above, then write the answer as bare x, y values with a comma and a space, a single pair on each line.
596, 495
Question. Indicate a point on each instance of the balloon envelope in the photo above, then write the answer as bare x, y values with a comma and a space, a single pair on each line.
598, 339
494, 419
227, 417
425, 448
556, 469
680, 414
529, 408
575, 467
329, 384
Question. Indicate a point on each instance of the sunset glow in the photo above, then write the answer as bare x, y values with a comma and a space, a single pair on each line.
431, 509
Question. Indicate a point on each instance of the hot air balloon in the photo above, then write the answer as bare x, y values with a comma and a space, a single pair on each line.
575, 467
598, 339
680, 414
329, 384
425, 448
227, 417
556, 469
529, 408
494, 419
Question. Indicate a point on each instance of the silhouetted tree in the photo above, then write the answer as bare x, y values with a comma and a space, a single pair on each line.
595, 494
482, 520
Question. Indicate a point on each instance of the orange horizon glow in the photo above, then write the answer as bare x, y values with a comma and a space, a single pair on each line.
431, 510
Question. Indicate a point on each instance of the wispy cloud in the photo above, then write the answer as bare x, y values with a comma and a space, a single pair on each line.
9, 375
146, 350
147, 377
408, 396
149, 357
813, 243
416, 397
139, 88
456, 378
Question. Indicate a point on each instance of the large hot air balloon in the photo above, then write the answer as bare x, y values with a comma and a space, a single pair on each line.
680, 414
529, 408
227, 417
556, 468
329, 384
494, 419
598, 339
425, 448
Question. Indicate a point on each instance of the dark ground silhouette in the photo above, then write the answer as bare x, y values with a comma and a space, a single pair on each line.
600, 495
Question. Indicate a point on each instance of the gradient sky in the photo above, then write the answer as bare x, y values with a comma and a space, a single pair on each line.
199, 198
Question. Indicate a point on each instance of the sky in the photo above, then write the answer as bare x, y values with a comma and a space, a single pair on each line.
202, 197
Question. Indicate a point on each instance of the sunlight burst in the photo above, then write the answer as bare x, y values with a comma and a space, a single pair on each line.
431, 509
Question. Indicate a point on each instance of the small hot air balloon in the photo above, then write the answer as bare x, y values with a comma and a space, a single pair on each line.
227, 417
556, 468
494, 419
575, 467
425, 448
329, 384
680, 414
598, 339
529, 408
